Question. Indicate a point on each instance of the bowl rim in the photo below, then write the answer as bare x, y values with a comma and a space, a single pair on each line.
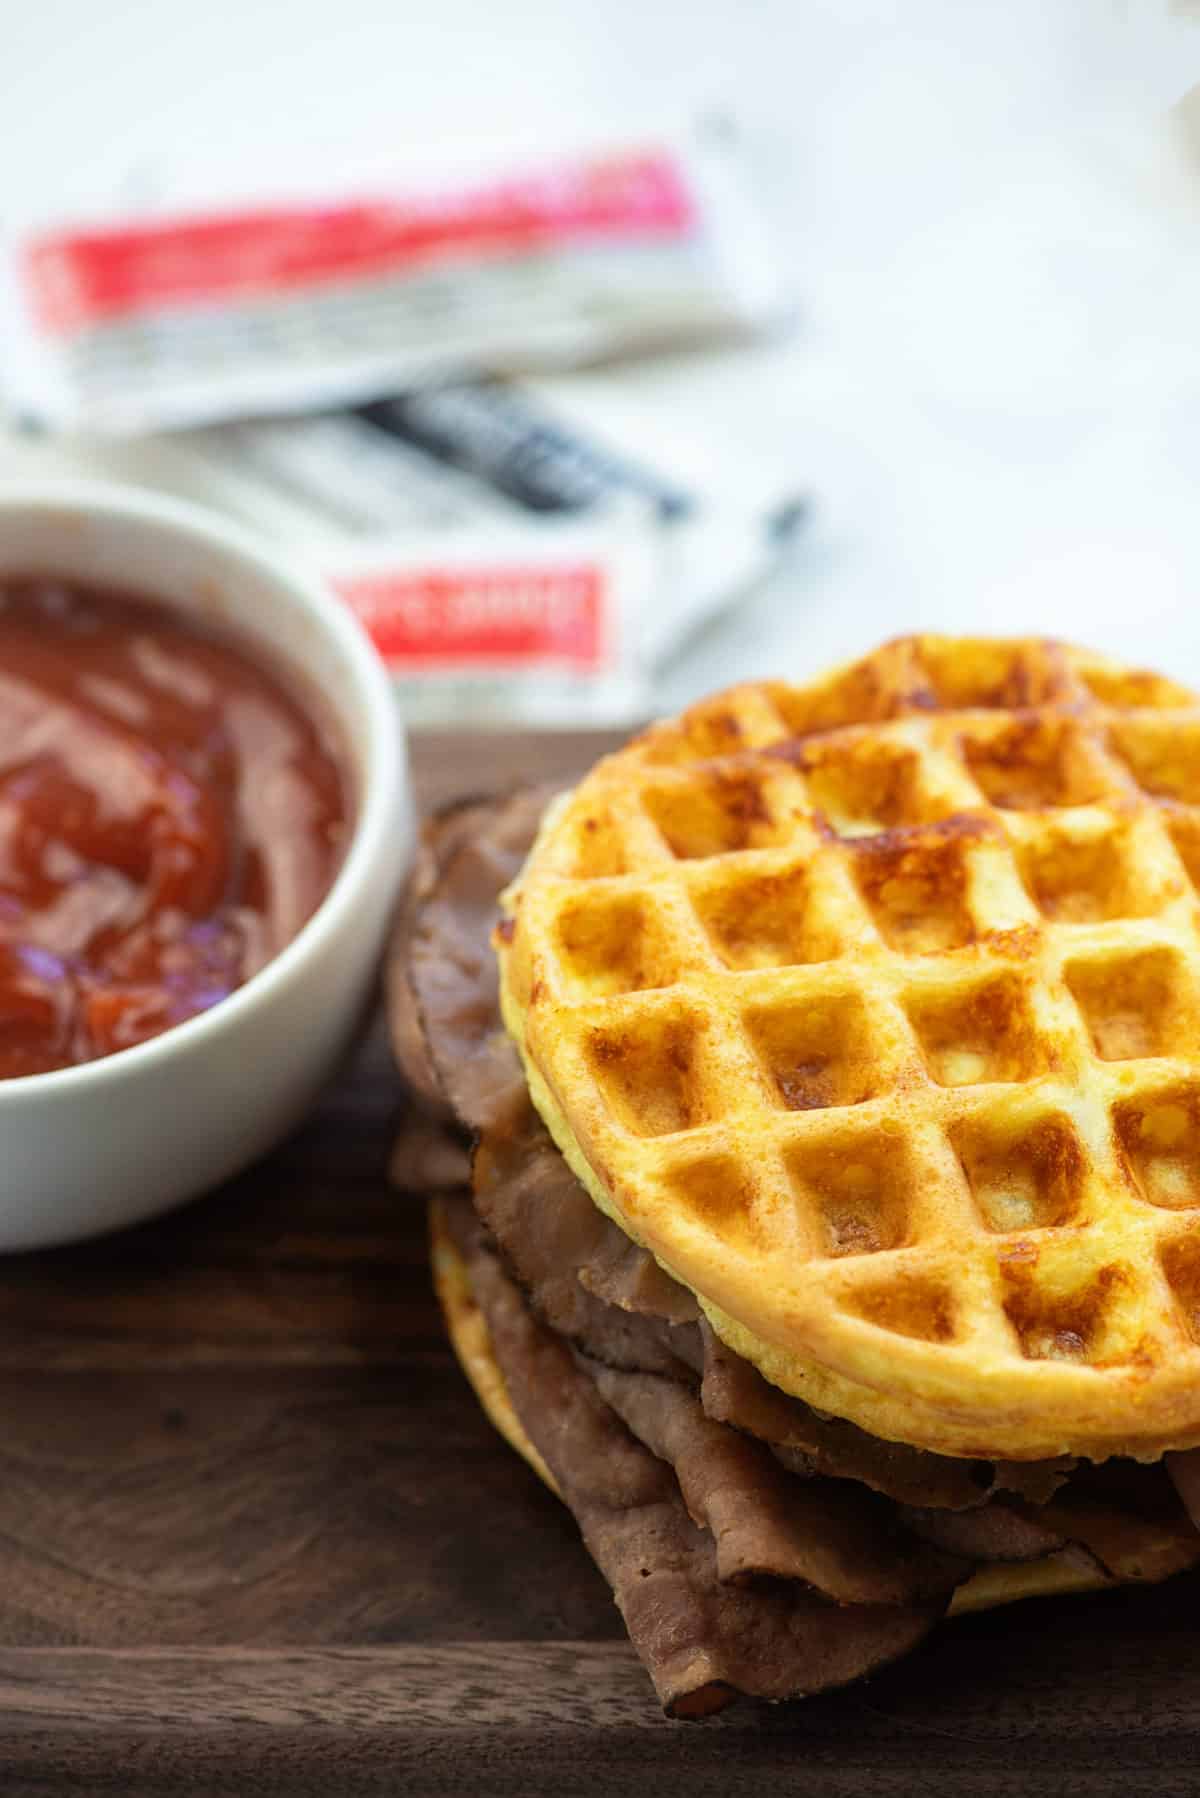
382, 778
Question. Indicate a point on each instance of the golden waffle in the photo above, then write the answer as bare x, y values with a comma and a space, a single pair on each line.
872, 1008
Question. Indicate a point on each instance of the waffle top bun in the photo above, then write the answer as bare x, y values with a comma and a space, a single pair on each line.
872, 1008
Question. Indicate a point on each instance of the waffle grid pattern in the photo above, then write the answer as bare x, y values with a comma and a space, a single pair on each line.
890, 986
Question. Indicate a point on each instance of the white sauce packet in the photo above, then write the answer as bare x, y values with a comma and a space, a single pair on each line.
502, 626
303, 293
455, 460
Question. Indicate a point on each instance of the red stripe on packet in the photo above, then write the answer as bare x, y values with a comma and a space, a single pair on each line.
483, 616
80, 277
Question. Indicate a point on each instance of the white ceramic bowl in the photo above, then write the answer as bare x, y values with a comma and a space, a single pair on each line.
87, 1148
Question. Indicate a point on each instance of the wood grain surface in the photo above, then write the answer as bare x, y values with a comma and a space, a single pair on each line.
256, 1537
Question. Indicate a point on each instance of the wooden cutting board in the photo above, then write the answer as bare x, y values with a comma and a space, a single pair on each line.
256, 1536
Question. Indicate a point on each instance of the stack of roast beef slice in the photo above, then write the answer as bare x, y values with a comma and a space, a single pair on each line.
753, 1545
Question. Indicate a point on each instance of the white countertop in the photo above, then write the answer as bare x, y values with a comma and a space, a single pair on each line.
993, 383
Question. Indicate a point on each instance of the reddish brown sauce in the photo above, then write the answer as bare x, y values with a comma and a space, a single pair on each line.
170, 816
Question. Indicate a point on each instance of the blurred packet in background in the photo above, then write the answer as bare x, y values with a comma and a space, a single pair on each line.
221, 301
431, 481
504, 627
453, 457
307, 354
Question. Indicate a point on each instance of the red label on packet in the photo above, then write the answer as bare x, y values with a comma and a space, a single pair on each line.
80, 277
266, 294
481, 617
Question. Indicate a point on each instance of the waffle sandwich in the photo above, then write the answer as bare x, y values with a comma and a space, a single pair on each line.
830, 1234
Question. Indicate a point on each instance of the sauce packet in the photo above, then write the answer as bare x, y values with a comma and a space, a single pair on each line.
297, 293
502, 622
503, 627
454, 461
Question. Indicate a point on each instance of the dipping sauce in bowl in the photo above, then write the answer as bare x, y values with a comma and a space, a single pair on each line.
172, 812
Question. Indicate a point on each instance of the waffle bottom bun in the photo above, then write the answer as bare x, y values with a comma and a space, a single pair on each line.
989, 1587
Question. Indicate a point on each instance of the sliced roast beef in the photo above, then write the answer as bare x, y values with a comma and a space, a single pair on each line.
847, 1542
1129, 1515
553, 1234
701, 1639
806, 1442
410, 1042
546, 1226
1122, 1516
995, 1531
429, 1157
443, 986
1033, 1481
